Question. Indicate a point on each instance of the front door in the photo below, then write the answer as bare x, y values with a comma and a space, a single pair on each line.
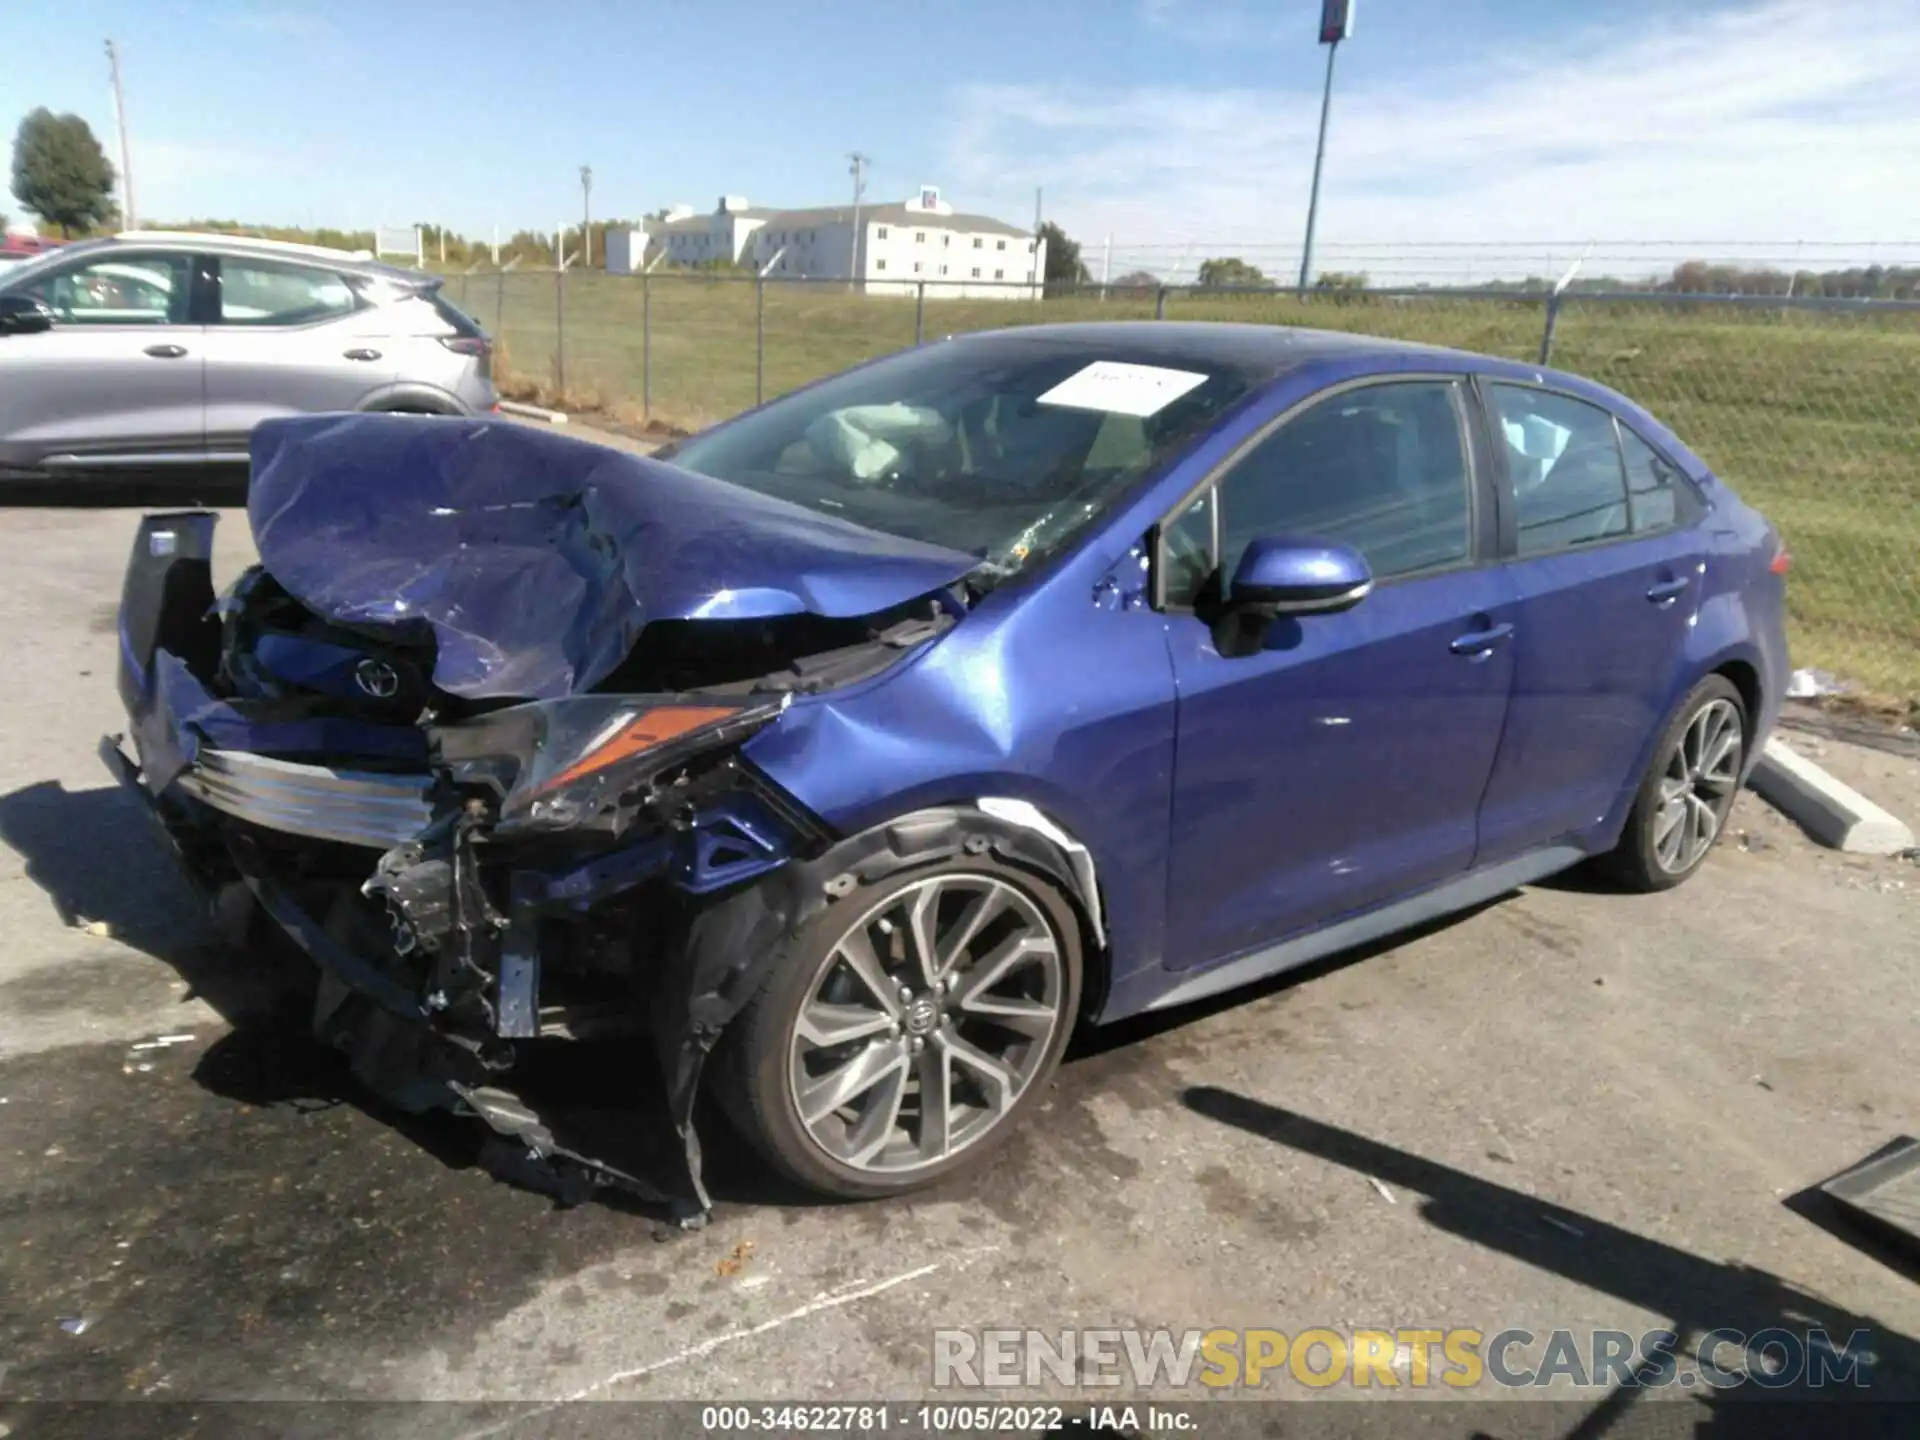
117, 380
1341, 765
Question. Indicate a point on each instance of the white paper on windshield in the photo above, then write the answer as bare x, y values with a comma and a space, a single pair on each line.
1122, 389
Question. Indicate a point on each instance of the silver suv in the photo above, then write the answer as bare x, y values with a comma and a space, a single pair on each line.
153, 351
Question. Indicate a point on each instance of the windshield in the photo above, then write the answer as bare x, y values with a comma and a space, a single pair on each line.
1002, 446
25, 266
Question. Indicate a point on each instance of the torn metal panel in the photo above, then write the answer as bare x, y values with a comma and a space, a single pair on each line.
473, 873
533, 561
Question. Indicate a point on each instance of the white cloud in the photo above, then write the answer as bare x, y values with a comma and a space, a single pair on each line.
1770, 123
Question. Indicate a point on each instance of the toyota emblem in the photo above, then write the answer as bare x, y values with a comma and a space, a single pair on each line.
377, 678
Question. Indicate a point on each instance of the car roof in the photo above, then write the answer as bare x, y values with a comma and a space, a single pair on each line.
1268, 350
356, 262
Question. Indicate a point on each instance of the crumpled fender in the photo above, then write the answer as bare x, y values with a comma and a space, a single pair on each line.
734, 943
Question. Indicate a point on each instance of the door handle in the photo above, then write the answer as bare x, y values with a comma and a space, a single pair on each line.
1667, 590
361, 353
1479, 642
166, 352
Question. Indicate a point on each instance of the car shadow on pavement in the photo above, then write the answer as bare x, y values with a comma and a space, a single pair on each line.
1089, 1041
103, 866
1696, 1296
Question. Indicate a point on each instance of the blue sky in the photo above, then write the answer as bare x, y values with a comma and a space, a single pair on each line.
1156, 121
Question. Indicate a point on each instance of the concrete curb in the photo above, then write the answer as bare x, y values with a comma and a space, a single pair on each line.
531, 412
1836, 815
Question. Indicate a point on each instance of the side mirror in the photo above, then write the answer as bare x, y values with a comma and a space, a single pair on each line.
23, 315
1297, 575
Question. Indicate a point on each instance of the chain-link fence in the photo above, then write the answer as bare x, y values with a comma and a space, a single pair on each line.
1806, 406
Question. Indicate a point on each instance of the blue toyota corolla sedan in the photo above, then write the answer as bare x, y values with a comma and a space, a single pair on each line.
854, 752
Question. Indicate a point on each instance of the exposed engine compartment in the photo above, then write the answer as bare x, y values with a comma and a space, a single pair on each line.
475, 874
273, 647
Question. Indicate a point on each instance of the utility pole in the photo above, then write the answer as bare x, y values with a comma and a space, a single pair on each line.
586, 215
1336, 24
856, 167
126, 157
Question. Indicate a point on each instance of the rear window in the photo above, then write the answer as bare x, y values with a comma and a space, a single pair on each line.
462, 323
270, 292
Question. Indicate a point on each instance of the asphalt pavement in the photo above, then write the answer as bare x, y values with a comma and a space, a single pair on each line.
1568, 1109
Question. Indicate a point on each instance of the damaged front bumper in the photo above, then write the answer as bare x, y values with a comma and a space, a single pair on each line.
542, 871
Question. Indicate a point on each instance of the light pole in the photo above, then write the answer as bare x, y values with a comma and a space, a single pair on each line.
1336, 24
856, 167
127, 222
586, 215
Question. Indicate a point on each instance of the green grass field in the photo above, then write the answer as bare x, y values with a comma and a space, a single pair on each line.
1814, 417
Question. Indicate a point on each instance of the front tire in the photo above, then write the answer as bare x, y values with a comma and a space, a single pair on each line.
920, 1019
1689, 788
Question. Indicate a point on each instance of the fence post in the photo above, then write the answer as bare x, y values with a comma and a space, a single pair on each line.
1160, 303
759, 338
1546, 335
646, 346
919, 311
559, 336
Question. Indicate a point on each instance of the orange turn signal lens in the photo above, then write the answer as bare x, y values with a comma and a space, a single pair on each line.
640, 734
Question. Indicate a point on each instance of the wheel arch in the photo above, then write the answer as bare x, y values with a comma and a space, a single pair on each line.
1745, 676
415, 397
1740, 666
1017, 832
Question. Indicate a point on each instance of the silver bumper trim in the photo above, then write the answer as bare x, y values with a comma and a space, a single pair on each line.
350, 807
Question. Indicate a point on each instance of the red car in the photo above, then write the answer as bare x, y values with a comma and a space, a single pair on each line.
24, 247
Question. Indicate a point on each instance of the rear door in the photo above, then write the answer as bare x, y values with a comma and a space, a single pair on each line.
1608, 578
286, 338
118, 379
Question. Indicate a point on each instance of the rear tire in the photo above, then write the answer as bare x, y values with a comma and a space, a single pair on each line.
933, 1064
1682, 804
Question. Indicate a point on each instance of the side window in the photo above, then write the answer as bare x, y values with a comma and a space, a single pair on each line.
1186, 552
1382, 468
1563, 462
1658, 494
121, 290
266, 292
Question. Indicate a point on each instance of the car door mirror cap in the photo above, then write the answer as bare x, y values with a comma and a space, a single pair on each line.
1298, 575
24, 315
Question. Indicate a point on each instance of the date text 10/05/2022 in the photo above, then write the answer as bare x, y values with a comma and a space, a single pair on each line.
943, 1419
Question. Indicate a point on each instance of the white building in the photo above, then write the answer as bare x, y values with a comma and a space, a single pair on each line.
901, 245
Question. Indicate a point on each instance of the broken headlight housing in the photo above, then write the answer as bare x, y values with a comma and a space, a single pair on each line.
581, 762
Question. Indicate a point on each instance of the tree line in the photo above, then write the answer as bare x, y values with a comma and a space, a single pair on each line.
63, 178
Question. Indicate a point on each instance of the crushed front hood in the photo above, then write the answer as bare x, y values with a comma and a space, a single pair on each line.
535, 559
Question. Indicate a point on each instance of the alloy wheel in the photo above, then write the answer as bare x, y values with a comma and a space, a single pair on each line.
1697, 786
925, 1023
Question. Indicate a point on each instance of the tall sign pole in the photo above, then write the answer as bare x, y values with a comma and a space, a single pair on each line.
1336, 24
586, 215
126, 159
857, 164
